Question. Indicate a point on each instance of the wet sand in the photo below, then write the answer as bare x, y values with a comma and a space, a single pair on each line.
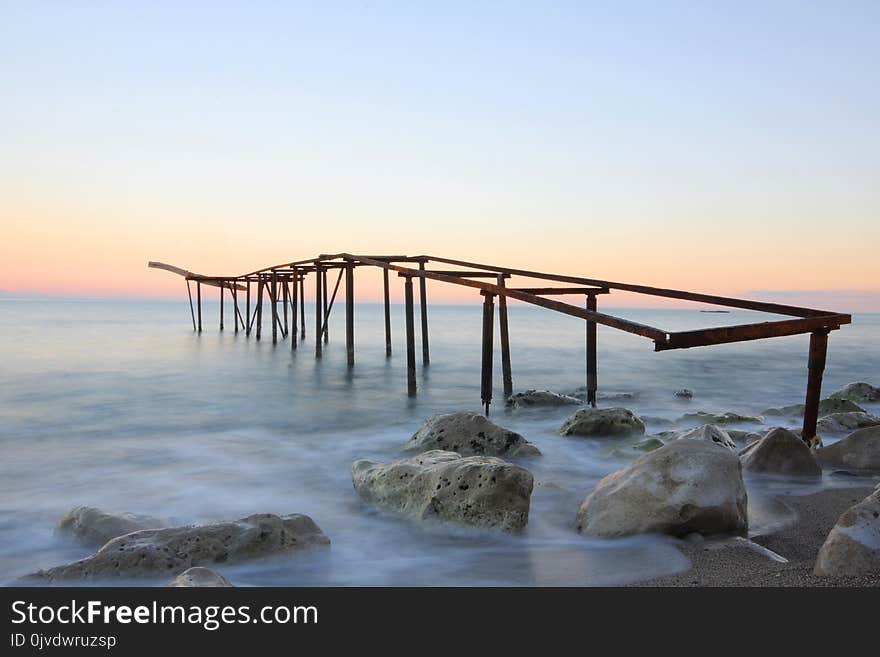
734, 563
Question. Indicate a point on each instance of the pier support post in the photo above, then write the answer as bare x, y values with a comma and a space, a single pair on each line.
387, 313
505, 341
319, 310
302, 304
488, 339
221, 305
285, 299
326, 314
410, 337
349, 313
199, 302
273, 296
259, 307
191, 311
592, 379
294, 309
234, 292
815, 368
423, 310
247, 310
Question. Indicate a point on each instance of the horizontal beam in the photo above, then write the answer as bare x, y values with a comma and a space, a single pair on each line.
552, 291
745, 332
468, 274
213, 281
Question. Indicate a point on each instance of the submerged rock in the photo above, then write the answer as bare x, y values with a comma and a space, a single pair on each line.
199, 576
154, 552
853, 545
476, 490
94, 527
859, 452
859, 392
531, 398
744, 437
710, 432
720, 418
780, 452
604, 395
683, 487
602, 422
469, 434
826, 407
840, 422
684, 393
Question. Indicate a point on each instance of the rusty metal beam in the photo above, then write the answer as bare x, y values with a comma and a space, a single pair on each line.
745, 332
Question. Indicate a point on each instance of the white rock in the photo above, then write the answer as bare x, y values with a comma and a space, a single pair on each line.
477, 490
840, 422
95, 527
684, 487
780, 452
710, 432
859, 451
859, 392
201, 577
530, 398
853, 545
603, 422
469, 434
826, 407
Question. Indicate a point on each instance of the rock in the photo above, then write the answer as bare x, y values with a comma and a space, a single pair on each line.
683, 487
853, 545
649, 444
154, 552
199, 577
859, 451
604, 395
469, 434
541, 398
656, 420
744, 436
95, 527
684, 393
826, 407
858, 392
709, 432
780, 452
602, 422
476, 490
720, 418
840, 422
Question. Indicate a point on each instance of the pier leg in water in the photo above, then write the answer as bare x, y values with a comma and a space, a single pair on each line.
319, 311
592, 382
234, 293
285, 299
488, 338
505, 342
247, 311
302, 303
326, 315
273, 297
221, 305
199, 302
410, 337
815, 368
191, 311
349, 313
259, 310
387, 313
294, 303
423, 310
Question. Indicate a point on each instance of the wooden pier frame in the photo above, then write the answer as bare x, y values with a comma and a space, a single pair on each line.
799, 320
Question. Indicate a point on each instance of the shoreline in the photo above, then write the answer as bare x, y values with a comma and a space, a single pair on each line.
725, 563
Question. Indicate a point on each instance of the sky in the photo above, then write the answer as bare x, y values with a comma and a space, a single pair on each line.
723, 147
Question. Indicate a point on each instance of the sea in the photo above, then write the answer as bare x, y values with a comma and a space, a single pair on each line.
119, 404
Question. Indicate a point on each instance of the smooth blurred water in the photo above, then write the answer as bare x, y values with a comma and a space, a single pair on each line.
121, 405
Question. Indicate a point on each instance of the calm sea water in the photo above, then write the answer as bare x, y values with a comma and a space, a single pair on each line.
120, 405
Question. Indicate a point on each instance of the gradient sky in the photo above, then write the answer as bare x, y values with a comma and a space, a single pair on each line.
726, 147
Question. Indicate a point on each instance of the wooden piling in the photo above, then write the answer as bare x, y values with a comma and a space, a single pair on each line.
815, 369
488, 339
193, 312
387, 313
302, 304
273, 297
259, 310
592, 373
349, 313
247, 311
234, 291
319, 311
221, 305
410, 337
326, 328
294, 309
505, 341
285, 299
199, 302
423, 311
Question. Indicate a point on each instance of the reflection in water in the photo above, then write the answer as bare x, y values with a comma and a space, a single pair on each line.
119, 405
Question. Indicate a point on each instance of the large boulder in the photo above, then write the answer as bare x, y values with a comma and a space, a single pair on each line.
531, 398
744, 437
720, 418
201, 577
859, 392
154, 552
476, 490
683, 487
859, 452
603, 422
95, 527
469, 434
840, 422
826, 407
710, 432
853, 545
780, 451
